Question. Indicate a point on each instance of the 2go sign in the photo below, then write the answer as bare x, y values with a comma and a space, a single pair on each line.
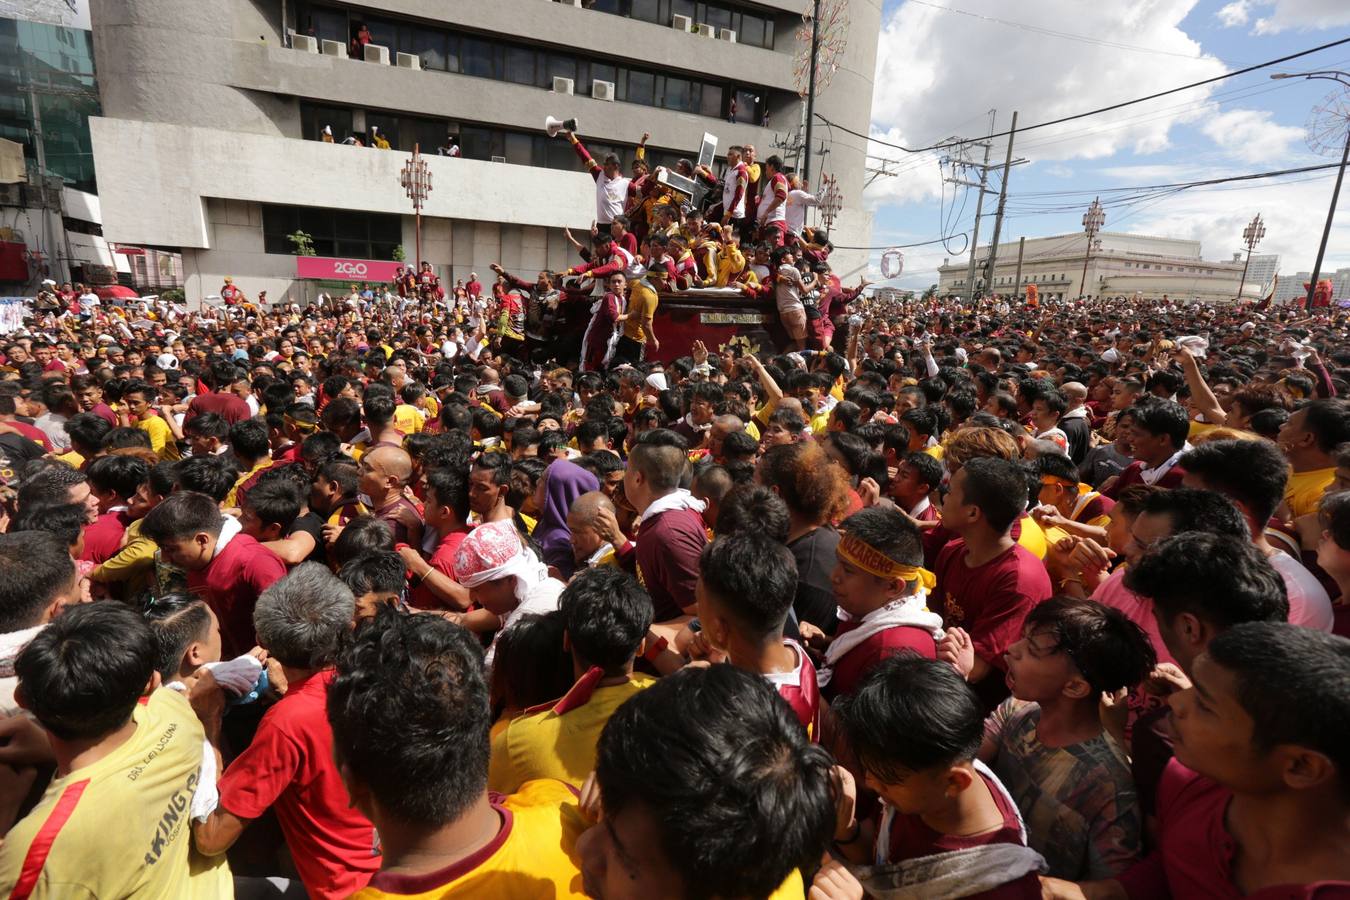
331, 269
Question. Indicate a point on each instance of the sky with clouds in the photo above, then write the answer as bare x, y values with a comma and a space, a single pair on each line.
942, 65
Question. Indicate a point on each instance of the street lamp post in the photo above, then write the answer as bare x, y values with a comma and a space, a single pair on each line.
1093, 220
1251, 236
1342, 78
416, 181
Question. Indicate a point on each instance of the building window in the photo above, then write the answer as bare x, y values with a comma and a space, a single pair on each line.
520, 65
335, 232
481, 58
641, 88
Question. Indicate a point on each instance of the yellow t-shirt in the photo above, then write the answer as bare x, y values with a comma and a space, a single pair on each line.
533, 856
135, 562
642, 302
73, 458
120, 827
1304, 491
1033, 536
161, 437
547, 744
408, 419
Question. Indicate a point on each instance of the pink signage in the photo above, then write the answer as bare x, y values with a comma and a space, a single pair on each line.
330, 269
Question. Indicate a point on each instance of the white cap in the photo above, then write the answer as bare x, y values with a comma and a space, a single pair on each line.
49, 281
167, 361
1110, 355
657, 380
1248, 326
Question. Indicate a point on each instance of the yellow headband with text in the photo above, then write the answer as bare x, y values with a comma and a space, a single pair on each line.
862, 555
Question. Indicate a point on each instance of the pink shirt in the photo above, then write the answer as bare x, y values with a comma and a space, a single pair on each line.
1113, 592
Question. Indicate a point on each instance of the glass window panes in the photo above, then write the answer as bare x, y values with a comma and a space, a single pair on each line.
519, 148
751, 30
384, 33
647, 11
601, 72
710, 104
683, 8
607, 6
558, 65
429, 45
520, 65
747, 107
641, 88
716, 16
478, 57
678, 93
325, 24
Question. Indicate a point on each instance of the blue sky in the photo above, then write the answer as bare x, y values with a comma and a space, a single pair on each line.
939, 72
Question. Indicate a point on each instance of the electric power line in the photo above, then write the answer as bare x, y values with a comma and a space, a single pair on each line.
1099, 110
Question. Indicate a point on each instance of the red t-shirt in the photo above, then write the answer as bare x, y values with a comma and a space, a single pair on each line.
230, 585
104, 412
1194, 859
103, 538
33, 433
856, 663
289, 767
442, 559
910, 838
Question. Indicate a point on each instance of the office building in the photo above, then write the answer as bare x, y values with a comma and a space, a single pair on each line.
1120, 265
213, 114
49, 214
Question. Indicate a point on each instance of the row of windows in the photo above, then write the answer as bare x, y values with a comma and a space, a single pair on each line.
448, 51
1193, 269
353, 234
525, 148
751, 28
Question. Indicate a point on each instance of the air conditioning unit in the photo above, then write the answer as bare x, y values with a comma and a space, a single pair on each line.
562, 85
11, 195
706, 30
333, 48
727, 35
500, 159
577, 3
682, 23
409, 61
305, 43
377, 54
602, 90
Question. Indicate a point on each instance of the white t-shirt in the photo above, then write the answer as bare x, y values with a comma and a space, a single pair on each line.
729, 179
766, 198
89, 299
797, 203
1309, 605
610, 196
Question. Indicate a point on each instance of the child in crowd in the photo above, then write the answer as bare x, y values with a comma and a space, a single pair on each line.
946, 822
1070, 778
375, 579
746, 585
882, 589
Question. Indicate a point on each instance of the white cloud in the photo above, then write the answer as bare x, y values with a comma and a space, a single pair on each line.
1302, 15
1250, 135
936, 68
1059, 171
1235, 13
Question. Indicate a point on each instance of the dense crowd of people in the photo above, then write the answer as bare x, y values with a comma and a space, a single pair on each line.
405, 596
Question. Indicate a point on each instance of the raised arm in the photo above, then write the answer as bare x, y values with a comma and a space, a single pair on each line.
1201, 396
591, 165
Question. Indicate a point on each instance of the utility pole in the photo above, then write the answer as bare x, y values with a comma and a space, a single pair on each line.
979, 207
811, 90
1002, 202
1251, 235
1093, 220
1017, 284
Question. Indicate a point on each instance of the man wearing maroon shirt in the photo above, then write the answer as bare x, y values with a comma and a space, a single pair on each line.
289, 765
227, 568
90, 394
1158, 439
219, 399
986, 581
670, 533
1254, 804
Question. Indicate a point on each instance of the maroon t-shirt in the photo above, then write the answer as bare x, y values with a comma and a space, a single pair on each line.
103, 538
1133, 474
227, 406
668, 547
856, 663
230, 585
910, 838
1196, 851
989, 602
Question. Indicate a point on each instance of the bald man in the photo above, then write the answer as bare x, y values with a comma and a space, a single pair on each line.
383, 473
1076, 423
588, 547
721, 427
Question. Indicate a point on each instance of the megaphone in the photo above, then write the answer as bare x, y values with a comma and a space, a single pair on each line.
553, 126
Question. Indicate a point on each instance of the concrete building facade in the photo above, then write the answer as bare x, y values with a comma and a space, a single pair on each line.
212, 114
1120, 265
